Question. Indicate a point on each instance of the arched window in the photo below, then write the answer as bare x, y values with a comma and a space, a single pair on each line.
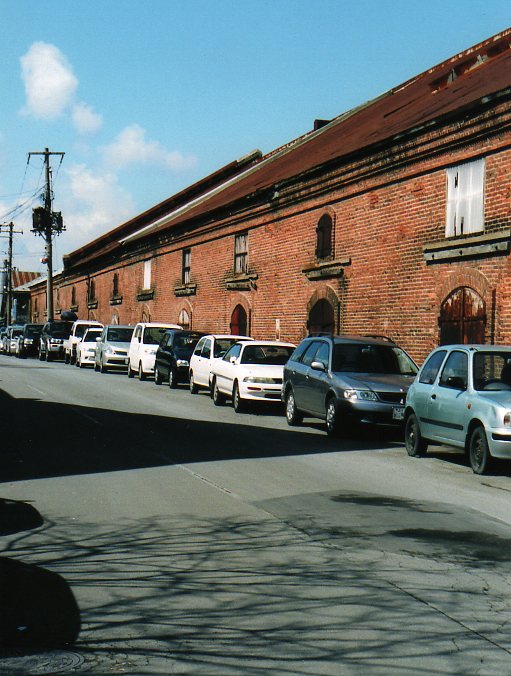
239, 323
324, 231
462, 317
184, 319
321, 318
115, 318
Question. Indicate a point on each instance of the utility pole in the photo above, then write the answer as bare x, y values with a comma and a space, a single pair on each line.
47, 223
8, 269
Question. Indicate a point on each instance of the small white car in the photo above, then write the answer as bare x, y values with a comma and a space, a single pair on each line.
144, 343
250, 371
208, 349
462, 397
86, 347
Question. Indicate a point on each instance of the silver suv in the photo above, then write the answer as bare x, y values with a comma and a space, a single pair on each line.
462, 398
347, 379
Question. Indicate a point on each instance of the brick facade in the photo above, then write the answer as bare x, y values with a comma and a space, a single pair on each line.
387, 204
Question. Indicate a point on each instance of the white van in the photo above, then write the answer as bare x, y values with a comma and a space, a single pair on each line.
209, 348
144, 343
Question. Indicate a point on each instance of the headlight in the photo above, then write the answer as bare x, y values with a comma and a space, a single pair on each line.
507, 419
28, 341
110, 350
256, 379
182, 362
363, 395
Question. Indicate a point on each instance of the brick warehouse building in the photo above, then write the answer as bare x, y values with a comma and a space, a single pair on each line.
393, 218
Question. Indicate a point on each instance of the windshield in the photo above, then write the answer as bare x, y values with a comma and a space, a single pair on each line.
17, 332
153, 335
492, 370
34, 330
360, 358
222, 345
91, 335
80, 330
120, 335
273, 355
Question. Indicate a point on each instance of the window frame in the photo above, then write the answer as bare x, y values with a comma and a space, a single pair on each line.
241, 253
466, 184
186, 266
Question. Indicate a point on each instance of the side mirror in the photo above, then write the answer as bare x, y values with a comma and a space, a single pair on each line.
232, 360
318, 366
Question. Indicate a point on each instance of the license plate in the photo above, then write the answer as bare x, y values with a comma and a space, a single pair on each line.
398, 413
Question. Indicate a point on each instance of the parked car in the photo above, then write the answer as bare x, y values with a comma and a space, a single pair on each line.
3, 338
53, 335
209, 348
28, 341
13, 333
462, 398
86, 347
112, 348
143, 345
250, 371
172, 361
79, 327
347, 379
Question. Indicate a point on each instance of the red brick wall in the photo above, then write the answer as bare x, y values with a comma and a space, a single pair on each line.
386, 208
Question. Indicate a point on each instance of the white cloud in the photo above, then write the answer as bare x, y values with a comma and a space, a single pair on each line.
85, 120
50, 83
94, 204
131, 147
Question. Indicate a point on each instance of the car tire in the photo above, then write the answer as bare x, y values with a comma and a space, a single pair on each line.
332, 418
141, 373
217, 396
478, 451
158, 379
96, 366
47, 356
193, 387
41, 355
172, 378
293, 415
416, 446
131, 373
238, 403
66, 358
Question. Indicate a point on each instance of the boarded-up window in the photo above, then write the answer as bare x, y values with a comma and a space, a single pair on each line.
465, 199
241, 253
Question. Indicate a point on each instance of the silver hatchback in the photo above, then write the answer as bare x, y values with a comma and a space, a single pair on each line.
462, 398
112, 348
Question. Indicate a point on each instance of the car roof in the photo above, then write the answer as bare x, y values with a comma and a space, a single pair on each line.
159, 325
228, 335
265, 342
340, 339
475, 347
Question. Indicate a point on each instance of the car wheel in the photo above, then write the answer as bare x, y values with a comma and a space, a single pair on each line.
41, 356
479, 453
47, 355
332, 418
157, 376
131, 373
293, 415
102, 367
193, 387
141, 374
66, 358
172, 378
96, 366
238, 403
218, 397
416, 446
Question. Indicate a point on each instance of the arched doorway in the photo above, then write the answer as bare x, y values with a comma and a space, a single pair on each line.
462, 317
321, 318
239, 322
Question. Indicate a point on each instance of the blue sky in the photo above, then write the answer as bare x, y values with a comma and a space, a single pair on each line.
147, 97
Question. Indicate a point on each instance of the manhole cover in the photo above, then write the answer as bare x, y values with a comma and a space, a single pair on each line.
56, 662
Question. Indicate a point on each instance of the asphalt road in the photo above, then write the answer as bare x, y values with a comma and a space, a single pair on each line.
147, 531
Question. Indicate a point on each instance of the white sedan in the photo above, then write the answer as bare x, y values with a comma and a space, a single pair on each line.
86, 347
207, 351
250, 371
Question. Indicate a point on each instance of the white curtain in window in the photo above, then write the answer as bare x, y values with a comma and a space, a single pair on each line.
465, 199
147, 274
